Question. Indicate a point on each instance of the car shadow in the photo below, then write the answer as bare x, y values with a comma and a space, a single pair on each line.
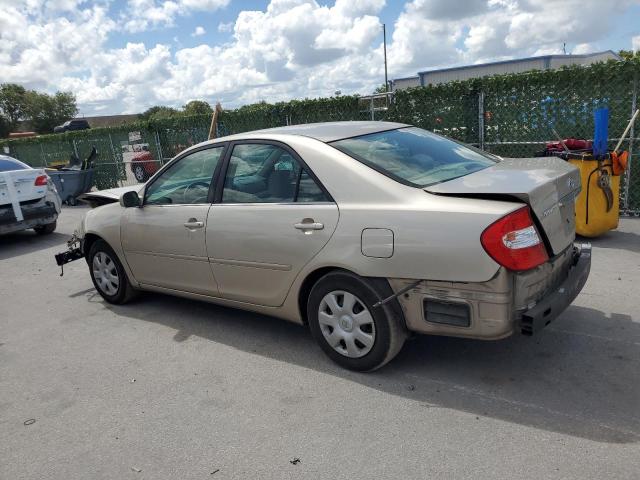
616, 239
28, 241
566, 379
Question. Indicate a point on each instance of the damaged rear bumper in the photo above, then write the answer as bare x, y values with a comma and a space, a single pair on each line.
553, 304
34, 214
510, 302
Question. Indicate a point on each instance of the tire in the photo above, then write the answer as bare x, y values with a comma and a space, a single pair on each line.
71, 201
356, 336
140, 174
47, 228
108, 275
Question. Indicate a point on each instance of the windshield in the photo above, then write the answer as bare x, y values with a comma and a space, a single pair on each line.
8, 164
414, 156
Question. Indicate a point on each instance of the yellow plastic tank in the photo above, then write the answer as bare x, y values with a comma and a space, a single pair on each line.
592, 217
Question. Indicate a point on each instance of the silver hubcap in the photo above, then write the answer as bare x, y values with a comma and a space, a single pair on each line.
346, 324
139, 173
105, 273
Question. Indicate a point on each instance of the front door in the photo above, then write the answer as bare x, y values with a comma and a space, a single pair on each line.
272, 219
164, 240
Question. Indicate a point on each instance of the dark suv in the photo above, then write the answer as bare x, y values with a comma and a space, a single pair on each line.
70, 125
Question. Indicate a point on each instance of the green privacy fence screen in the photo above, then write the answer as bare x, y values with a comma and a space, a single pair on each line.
510, 115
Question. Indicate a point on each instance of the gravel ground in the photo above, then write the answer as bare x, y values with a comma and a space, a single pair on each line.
171, 388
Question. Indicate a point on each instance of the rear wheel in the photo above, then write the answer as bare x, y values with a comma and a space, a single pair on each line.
108, 275
46, 229
348, 328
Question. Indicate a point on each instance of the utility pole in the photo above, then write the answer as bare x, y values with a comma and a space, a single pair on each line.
384, 41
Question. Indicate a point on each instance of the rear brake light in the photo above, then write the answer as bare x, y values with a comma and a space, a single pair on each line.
41, 180
513, 241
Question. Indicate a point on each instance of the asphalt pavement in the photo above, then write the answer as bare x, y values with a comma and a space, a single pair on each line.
168, 388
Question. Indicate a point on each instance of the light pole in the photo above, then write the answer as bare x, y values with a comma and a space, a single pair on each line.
384, 42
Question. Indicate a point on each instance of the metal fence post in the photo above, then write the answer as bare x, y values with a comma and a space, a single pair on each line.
159, 148
481, 120
627, 177
75, 147
373, 115
44, 158
113, 150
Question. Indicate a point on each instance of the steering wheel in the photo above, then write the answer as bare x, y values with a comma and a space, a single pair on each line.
202, 185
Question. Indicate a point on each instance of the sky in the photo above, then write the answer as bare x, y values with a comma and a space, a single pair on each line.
124, 56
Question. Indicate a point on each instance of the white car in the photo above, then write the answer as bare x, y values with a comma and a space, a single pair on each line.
28, 198
365, 231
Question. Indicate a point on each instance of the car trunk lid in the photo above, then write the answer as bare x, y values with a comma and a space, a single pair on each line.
19, 186
548, 185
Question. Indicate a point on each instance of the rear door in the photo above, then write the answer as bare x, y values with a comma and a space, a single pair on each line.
271, 218
164, 240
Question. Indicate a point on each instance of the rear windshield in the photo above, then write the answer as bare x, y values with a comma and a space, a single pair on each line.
414, 156
8, 164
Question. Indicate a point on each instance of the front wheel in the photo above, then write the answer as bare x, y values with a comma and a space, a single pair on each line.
140, 173
348, 328
108, 275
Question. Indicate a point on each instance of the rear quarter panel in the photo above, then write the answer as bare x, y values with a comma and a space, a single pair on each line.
438, 239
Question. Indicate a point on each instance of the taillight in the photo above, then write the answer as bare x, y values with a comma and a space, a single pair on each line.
41, 180
514, 242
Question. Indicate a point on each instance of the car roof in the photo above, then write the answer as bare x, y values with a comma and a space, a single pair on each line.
329, 131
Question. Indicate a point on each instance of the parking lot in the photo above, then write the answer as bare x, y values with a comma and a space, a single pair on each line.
172, 388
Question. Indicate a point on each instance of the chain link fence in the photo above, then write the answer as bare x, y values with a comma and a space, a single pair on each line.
515, 115
510, 115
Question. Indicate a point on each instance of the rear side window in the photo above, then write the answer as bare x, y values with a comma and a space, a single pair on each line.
263, 173
414, 156
8, 164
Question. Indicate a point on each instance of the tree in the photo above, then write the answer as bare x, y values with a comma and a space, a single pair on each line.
4, 127
13, 100
381, 89
46, 111
157, 112
628, 54
197, 107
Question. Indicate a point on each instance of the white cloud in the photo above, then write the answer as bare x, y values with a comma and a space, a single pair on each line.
198, 31
583, 48
292, 49
435, 33
226, 27
36, 49
142, 15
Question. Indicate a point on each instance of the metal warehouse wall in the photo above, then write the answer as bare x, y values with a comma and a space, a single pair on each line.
437, 77
401, 83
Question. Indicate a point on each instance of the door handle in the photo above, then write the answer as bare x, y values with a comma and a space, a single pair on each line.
308, 225
192, 223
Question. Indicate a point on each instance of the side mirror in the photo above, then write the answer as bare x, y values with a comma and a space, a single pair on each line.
130, 199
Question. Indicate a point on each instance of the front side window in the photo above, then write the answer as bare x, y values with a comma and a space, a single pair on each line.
187, 181
261, 173
414, 156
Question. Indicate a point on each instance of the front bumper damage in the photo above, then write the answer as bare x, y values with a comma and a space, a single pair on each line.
71, 254
510, 302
